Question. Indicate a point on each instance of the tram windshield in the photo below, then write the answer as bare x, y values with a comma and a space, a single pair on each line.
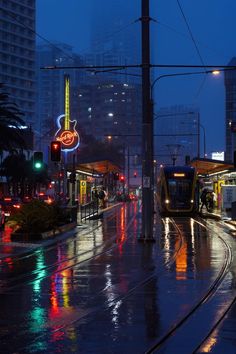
180, 190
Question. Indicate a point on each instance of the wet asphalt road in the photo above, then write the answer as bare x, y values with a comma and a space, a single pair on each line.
98, 289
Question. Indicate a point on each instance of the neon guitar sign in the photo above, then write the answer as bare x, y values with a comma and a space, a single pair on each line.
66, 133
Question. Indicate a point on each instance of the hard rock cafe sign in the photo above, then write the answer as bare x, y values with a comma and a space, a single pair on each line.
66, 133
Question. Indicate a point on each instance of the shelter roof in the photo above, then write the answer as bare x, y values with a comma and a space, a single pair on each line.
207, 166
101, 167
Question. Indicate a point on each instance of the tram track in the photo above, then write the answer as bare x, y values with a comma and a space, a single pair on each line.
132, 290
107, 306
174, 337
25, 278
59, 266
139, 284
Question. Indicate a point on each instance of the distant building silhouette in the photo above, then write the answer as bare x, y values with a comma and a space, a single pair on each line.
176, 134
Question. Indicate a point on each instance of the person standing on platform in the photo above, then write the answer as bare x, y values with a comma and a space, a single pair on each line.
102, 195
203, 199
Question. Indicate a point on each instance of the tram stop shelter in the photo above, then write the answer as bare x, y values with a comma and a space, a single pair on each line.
99, 167
219, 176
207, 167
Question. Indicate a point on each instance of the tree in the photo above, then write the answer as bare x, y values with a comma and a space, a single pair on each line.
20, 175
10, 123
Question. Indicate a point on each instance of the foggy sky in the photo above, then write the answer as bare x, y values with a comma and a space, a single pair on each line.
212, 27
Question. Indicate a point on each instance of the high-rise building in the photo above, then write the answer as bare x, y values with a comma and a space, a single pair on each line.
115, 33
177, 135
111, 111
230, 111
116, 40
17, 55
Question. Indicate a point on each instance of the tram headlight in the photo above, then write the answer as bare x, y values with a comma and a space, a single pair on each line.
167, 201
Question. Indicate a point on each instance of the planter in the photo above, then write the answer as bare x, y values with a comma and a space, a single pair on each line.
31, 237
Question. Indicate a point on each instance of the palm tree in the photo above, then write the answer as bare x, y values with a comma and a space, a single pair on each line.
10, 123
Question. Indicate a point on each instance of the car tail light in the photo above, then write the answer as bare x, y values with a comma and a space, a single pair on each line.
7, 199
17, 206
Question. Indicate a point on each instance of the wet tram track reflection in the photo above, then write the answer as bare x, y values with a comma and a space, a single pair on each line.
191, 332
182, 241
186, 253
86, 244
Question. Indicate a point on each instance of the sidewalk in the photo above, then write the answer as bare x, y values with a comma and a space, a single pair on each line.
9, 248
221, 215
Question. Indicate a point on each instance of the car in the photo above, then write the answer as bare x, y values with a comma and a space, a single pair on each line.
10, 205
45, 198
2, 218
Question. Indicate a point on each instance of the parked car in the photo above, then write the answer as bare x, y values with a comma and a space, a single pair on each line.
46, 198
2, 218
10, 205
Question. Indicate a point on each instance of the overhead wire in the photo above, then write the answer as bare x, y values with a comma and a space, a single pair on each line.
185, 35
194, 42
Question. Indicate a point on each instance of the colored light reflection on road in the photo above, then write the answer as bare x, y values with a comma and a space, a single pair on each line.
53, 298
40, 268
6, 235
208, 345
65, 287
61, 312
121, 230
181, 263
37, 319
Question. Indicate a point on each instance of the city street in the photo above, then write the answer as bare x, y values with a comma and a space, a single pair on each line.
99, 289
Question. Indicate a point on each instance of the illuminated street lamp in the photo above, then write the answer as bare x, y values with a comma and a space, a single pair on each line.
212, 72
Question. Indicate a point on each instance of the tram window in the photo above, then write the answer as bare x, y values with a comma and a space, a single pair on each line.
180, 188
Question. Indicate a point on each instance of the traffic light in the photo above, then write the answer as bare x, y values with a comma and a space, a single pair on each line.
122, 179
56, 151
38, 160
135, 174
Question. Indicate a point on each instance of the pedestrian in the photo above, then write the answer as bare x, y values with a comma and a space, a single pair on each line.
95, 194
203, 199
214, 196
209, 198
102, 195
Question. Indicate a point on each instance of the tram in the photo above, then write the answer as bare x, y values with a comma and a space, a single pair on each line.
177, 192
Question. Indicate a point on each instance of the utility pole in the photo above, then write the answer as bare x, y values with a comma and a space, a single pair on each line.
73, 182
147, 131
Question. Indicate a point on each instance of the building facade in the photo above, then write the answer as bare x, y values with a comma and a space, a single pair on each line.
230, 111
111, 112
17, 55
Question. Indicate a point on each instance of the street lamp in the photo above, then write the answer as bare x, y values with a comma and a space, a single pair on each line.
212, 72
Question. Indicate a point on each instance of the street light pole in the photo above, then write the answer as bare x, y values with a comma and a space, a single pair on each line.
204, 140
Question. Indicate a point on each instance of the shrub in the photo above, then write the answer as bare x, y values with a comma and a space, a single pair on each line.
37, 217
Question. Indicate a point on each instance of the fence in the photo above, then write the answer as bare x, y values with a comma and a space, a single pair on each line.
88, 210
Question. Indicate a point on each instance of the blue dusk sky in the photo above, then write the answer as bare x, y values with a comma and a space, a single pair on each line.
183, 32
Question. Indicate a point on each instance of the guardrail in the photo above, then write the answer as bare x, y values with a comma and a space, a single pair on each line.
88, 210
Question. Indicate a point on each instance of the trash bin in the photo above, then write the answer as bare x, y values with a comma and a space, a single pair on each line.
233, 210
